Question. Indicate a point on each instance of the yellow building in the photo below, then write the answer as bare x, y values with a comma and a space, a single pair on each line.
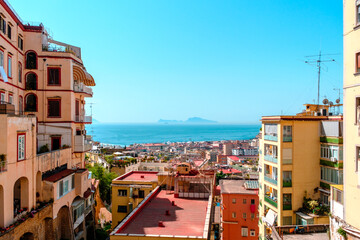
346, 208
129, 190
292, 165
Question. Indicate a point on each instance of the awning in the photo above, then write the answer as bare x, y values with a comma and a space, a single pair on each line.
82, 75
304, 216
270, 218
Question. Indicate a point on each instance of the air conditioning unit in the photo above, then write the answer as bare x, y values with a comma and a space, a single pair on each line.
333, 159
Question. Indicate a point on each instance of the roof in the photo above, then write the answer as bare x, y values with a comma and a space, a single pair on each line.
251, 185
230, 171
236, 187
143, 176
60, 175
234, 158
187, 217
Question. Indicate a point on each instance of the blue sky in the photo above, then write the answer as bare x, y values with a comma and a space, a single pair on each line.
229, 61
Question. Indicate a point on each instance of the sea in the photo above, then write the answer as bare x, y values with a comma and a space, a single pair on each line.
127, 134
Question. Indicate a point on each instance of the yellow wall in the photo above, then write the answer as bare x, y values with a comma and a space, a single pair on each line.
351, 128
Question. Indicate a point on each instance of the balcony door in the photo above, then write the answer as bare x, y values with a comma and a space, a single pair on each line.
55, 143
77, 110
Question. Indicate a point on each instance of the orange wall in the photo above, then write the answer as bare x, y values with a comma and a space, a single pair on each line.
233, 230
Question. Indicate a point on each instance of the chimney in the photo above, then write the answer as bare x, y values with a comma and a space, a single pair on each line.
161, 224
167, 213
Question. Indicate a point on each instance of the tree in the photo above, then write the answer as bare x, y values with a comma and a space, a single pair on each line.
105, 178
219, 175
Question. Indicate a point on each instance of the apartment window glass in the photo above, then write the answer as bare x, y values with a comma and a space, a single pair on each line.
244, 215
252, 232
20, 43
331, 175
20, 72
73, 181
9, 31
122, 193
10, 98
31, 60
141, 194
287, 133
357, 159
233, 214
2, 25
244, 232
54, 106
234, 200
324, 198
358, 14
2, 97
30, 103
21, 146
9, 67
54, 76
338, 196
122, 209
61, 188
244, 201
30, 81
287, 202
1, 58
287, 178
252, 201
252, 215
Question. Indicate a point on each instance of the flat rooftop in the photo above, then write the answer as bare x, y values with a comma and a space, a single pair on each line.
238, 187
143, 176
187, 217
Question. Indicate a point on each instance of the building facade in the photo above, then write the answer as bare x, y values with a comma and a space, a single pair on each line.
43, 86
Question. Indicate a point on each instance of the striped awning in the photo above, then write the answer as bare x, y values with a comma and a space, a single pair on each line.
82, 75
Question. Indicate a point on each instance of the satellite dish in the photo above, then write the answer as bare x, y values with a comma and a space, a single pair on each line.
331, 103
325, 101
337, 100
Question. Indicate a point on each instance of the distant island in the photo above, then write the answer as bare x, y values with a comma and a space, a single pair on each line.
189, 120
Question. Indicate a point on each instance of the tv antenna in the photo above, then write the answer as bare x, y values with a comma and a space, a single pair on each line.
318, 62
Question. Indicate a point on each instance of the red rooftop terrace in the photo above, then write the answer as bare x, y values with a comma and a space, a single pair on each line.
160, 214
144, 176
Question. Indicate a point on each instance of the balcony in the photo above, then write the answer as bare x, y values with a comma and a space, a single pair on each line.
270, 158
287, 206
81, 144
270, 200
287, 183
55, 46
287, 138
270, 180
51, 160
81, 88
271, 138
83, 119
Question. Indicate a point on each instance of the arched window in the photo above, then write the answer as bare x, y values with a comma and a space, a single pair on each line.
31, 60
31, 81
30, 103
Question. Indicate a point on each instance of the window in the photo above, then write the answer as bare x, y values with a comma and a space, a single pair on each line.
78, 211
1, 58
287, 156
141, 194
244, 201
244, 215
287, 133
30, 103
9, 31
287, 202
31, 81
73, 181
287, 220
332, 175
324, 198
287, 181
31, 60
122, 193
55, 143
10, 98
252, 201
338, 196
358, 14
21, 146
252, 233
65, 184
122, 209
54, 107
233, 214
244, 231
2, 25
20, 72
9, 66
54, 76
20, 43
234, 200
252, 215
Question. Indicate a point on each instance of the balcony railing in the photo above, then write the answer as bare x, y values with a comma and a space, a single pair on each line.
80, 87
271, 201
287, 138
81, 144
55, 46
271, 138
270, 180
270, 158
287, 207
51, 160
287, 183
83, 119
